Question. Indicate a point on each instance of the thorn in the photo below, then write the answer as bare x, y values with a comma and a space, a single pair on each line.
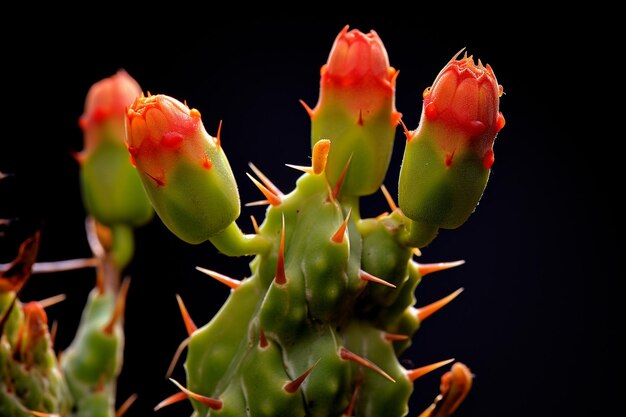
416, 373
228, 281
331, 196
360, 121
172, 399
320, 155
352, 403
4, 175
189, 324
53, 331
281, 278
118, 312
309, 111
79, 157
270, 186
425, 269
176, 356
218, 138
263, 343
408, 133
257, 203
392, 204
40, 414
272, 198
395, 337
292, 386
255, 225
209, 402
426, 311
346, 355
417, 252
366, 276
50, 301
341, 178
382, 215
19, 270
60, 266
126, 405
338, 236
307, 170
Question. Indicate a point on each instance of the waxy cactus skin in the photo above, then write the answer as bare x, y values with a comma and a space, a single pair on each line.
317, 327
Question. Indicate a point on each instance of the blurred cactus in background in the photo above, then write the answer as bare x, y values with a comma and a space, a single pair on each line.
328, 308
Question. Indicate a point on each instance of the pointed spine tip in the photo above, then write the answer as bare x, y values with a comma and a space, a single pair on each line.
255, 225
413, 374
342, 177
281, 277
272, 198
189, 324
366, 276
308, 109
209, 402
126, 405
172, 399
425, 269
395, 337
120, 307
302, 168
426, 311
263, 342
226, 280
266, 181
346, 355
176, 357
408, 133
218, 137
392, 204
337, 237
292, 386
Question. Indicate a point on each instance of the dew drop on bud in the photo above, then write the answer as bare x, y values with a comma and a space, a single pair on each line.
476, 127
194, 113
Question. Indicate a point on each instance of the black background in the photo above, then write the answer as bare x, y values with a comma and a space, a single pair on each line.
538, 320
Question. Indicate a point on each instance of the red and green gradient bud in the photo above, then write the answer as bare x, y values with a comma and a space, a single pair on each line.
448, 158
184, 170
356, 111
111, 188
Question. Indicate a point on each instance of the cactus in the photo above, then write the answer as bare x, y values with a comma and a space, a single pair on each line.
317, 327
329, 307
82, 381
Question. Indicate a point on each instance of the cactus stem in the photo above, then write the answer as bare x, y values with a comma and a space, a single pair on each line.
308, 109
6, 314
392, 204
366, 276
352, 403
266, 181
424, 312
292, 386
394, 337
126, 405
263, 342
209, 402
172, 399
425, 269
346, 355
342, 177
189, 324
40, 414
339, 234
272, 198
174, 361
320, 156
228, 281
50, 301
416, 373
281, 278
408, 133
120, 306
218, 137
255, 225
